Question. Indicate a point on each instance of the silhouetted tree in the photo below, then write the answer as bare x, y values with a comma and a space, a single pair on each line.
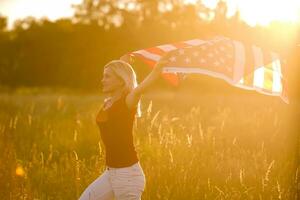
3, 23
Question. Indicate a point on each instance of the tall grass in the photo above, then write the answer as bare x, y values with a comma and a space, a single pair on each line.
212, 147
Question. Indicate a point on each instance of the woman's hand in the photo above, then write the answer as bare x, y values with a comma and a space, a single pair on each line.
126, 58
159, 66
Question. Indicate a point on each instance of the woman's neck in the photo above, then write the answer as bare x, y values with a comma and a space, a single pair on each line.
117, 94
113, 96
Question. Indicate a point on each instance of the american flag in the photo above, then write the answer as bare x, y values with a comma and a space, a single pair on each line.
242, 65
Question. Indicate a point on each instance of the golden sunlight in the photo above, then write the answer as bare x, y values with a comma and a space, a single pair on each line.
259, 12
190, 1
254, 12
263, 12
18, 9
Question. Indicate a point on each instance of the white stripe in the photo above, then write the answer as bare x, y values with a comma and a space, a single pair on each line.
193, 70
221, 76
239, 62
241, 81
148, 55
186, 70
194, 42
259, 67
166, 47
277, 85
275, 57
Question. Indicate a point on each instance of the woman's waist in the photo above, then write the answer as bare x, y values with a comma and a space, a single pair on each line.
121, 160
136, 164
119, 147
134, 168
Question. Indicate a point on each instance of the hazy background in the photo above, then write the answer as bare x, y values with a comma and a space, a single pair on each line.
203, 139
66, 43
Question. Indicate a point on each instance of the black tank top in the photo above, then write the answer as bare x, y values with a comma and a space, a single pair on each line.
115, 126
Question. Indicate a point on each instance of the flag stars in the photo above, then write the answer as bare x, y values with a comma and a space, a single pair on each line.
228, 68
196, 54
203, 47
216, 63
202, 60
172, 59
229, 45
187, 60
222, 48
181, 51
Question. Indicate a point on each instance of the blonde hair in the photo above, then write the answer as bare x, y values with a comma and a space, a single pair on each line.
125, 71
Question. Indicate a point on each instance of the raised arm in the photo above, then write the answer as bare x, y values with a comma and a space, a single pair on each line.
134, 96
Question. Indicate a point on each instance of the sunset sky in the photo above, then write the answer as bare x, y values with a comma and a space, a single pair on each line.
52, 9
253, 12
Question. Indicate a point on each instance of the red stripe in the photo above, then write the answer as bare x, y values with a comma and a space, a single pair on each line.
156, 50
148, 61
181, 45
172, 78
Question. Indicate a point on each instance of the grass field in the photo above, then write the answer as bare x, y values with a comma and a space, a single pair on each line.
209, 147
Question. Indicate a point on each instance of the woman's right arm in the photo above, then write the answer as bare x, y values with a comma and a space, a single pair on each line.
134, 96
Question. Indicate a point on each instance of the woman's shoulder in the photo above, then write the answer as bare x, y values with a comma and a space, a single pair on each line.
118, 104
121, 105
102, 116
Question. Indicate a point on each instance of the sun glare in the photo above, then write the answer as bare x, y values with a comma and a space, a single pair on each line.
190, 1
259, 12
19, 9
254, 12
263, 12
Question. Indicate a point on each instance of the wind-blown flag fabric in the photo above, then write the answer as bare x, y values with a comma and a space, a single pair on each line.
242, 65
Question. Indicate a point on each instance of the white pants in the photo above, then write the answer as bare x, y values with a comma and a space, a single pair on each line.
126, 183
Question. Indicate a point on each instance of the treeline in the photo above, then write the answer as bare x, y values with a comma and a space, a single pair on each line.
72, 52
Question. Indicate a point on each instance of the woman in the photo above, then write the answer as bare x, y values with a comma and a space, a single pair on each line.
123, 177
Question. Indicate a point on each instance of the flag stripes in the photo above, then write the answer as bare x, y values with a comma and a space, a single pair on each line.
242, 65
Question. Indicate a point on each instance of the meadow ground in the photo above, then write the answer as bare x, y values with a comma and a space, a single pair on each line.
205, 147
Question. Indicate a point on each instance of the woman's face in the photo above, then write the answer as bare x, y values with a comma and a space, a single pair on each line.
110, 81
